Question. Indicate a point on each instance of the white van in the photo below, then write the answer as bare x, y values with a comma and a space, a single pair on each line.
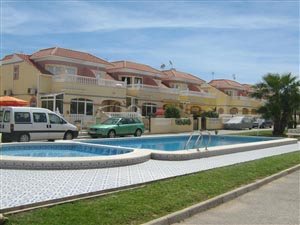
28, 123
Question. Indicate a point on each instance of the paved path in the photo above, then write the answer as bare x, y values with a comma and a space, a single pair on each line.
275, 203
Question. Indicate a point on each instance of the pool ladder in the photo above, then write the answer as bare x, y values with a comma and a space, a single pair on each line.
199, 140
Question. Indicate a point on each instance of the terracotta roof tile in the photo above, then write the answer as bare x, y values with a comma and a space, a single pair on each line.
133, 65
7, 57
226, 84
27, 59
169, 74
68, 54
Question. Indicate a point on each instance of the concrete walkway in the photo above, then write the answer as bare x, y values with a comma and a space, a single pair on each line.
277, 202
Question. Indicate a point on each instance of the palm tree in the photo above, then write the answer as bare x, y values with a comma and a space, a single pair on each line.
282, 94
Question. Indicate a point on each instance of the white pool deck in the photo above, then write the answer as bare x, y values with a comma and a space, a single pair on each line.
22, 188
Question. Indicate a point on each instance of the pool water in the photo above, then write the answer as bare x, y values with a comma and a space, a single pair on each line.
174, 143
60, 150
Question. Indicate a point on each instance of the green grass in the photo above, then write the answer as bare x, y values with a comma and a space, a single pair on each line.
266, 133
159, 198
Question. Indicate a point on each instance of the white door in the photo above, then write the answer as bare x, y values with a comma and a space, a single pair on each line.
40, 128
57, 127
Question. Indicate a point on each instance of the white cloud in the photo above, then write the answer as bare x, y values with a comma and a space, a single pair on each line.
74, 16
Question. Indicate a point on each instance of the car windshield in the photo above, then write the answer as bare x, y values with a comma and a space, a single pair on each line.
111, 121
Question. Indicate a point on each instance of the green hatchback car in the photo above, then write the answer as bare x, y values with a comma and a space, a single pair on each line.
117, 126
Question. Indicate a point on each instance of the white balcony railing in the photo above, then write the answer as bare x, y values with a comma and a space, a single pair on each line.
88, 80
197, 94
151, 88
245, 98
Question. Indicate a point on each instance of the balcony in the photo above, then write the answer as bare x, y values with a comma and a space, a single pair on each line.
65, 78
150, 88
152, 92
246, 101
197, 94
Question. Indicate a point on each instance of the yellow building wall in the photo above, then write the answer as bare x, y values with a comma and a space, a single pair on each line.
27, 79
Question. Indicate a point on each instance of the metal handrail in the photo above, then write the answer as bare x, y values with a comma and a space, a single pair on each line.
189, 140
199, 140
197, 143
209, 138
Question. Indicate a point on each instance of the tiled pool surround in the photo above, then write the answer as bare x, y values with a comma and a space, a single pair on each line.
119, 156
219, 150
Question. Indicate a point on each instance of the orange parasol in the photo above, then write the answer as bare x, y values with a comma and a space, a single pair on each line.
11, 101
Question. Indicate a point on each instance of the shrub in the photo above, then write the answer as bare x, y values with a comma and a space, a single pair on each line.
183, 121
172, 112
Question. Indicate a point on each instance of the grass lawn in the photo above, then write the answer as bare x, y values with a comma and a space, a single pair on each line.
159, 198
265, 133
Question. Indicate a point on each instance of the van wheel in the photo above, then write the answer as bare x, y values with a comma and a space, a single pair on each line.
138, 133
111, 134
24, 138
68, 135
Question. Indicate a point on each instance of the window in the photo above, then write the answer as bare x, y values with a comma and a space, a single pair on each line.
39, 117
138, 80
148, 109
82, 106
228, 92
175, 86
53, 103
54, 119
99, 75
127, 79
16, 72
56, 70
6, 117
22, 117
70, 70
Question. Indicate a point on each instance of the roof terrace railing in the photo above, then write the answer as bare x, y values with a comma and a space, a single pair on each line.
152, 88
88, 80
197, 94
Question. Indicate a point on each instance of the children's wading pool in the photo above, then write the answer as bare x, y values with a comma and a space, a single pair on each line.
69, 155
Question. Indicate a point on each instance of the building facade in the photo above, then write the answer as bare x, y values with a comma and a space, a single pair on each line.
78, 85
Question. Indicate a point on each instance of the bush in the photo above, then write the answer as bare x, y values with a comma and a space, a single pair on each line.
183, 121
172, 112
210, 114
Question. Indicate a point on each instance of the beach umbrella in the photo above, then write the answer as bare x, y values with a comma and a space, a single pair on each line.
12, 101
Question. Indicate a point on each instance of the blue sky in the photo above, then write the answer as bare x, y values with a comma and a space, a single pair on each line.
209, 39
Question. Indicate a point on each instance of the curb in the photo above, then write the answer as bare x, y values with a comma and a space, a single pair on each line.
211, 203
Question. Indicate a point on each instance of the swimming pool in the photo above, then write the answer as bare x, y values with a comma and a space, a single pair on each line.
101, 153
67, 155
172, 147
175, 143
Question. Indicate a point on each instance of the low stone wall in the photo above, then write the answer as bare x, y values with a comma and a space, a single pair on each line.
214, 124
170, 125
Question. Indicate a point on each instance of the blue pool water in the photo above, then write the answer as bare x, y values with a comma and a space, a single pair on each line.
174, 143
59, 150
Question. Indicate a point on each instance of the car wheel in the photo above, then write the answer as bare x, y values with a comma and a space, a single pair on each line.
138, 133
68, 135
24, 138
111, 134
